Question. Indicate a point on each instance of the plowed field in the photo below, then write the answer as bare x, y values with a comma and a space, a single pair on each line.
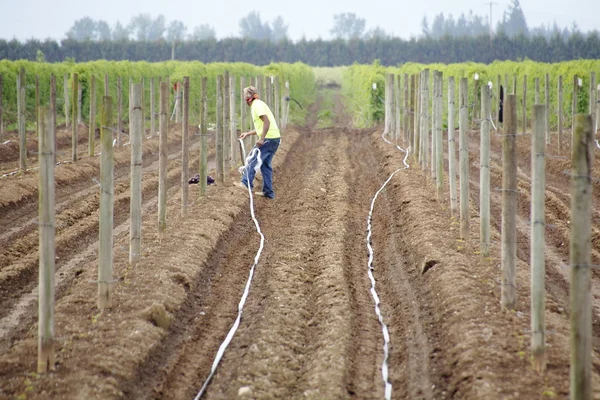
309, 328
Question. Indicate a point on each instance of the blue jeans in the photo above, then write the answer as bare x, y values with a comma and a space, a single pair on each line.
267, 151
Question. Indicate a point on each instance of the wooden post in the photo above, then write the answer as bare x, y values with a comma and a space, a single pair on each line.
580, 259
439, 145
398, 104
574, 109
537, 91
219, 132
53, 110
162, 156
425, 120
593, 100
509, 206
21, 108
37, 104
538, 226
597, 109
136, 132
547, 99
515, 84
203, 134
46, 354
524, 104
387, 109
74, 127
92, 127
67, 105
144, 108
434, 126
463, 149
418, 116
242, 105
476, 104
79, 101
276, 102
120, 109
105, 254
286, 116
178, 103
412, 114
152, 108
226, 125
233, 123
484, 174
267, 87
185, 147
560, 113
1, 108
452, 147
497, 105
406, 117
106, 88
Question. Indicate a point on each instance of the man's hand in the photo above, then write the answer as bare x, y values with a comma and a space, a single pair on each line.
260, 142
243, 135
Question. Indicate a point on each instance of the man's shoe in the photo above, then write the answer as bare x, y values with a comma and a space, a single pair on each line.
240, 185
262, 194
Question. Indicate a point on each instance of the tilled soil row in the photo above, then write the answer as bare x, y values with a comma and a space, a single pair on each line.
477, 351
106, 350
77, 224
295, 340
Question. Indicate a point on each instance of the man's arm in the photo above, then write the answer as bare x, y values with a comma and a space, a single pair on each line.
243, 135
266, 126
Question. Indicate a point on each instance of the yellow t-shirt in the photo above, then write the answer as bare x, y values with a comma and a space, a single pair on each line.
259, 108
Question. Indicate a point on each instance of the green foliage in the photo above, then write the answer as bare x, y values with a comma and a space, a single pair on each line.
300, 76
329, 76
361, 101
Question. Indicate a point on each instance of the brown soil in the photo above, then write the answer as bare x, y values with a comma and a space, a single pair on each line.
309, 329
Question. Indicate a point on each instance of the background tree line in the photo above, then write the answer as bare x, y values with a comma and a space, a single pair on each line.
512, 24
445, 40
391, 51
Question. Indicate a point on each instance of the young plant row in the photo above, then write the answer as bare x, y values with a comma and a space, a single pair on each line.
300, 77
363, 87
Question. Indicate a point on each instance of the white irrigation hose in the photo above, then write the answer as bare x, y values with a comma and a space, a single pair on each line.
254, 153
386, 334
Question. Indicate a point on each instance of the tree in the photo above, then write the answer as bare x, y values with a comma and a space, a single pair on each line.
279, 29
144, 28
425, 26
203, 32
513, 22
347, 26
120, 32
252, 27
83, 29
157, 28
378, 33
176, 31
102, 30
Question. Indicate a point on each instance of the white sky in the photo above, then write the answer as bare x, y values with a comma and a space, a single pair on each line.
311, 19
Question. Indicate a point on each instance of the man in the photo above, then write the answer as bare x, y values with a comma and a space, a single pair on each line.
269, 137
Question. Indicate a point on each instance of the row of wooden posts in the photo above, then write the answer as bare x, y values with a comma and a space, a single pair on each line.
427, 148
226, 145
73, 106
408, 92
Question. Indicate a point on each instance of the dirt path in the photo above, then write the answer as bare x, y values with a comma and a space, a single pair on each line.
309, 328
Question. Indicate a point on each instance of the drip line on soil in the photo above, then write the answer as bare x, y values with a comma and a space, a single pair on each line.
386, 335
254, 153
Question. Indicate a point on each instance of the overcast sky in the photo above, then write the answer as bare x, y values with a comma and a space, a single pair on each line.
311, 19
